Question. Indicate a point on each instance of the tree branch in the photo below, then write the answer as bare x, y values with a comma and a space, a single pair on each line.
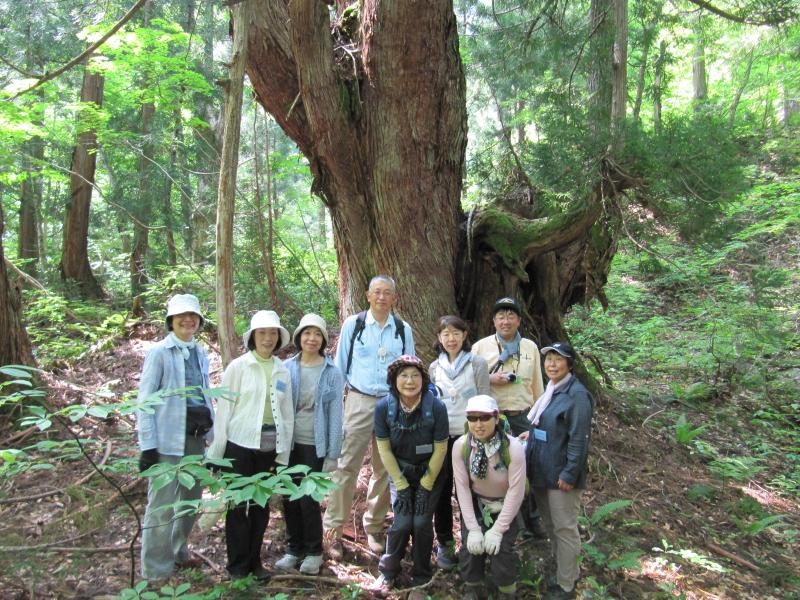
86, 53
777, 16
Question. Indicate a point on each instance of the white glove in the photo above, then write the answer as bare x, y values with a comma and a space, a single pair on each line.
475, 542
491, 541
330, 465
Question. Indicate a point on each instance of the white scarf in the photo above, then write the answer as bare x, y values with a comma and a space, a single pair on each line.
184, 347
544, 400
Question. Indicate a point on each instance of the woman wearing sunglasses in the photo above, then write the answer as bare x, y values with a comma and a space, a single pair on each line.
489, 471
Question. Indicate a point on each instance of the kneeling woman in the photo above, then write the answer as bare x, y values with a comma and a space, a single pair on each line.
489, 471
557, 451
411, 428
254, 429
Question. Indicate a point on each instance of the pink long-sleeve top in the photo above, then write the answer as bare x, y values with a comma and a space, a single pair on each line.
508, 484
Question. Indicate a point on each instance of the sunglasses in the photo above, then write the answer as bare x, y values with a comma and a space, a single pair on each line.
481, 418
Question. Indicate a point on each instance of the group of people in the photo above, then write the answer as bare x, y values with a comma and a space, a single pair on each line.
478, 418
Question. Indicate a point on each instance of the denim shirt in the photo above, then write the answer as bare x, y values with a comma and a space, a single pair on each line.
560, 448
165, 428
328, 406
368, 370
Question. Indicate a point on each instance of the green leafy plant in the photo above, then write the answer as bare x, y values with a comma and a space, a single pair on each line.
685, 432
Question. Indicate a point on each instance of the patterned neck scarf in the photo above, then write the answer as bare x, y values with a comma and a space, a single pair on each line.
184, 347
509, 348
453, 369
483, 452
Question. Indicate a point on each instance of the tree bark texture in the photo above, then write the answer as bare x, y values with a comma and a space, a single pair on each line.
29, 200
699, 77
75, 266
226, 195
15, 347
375, 99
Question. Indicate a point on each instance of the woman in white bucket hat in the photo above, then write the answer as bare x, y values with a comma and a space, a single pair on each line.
171, 426
254, 426
317, 386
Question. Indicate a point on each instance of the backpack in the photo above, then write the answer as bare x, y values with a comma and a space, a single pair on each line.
505, 451
361, 321
426, 407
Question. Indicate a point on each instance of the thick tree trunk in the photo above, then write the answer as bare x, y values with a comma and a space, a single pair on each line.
28, 234
619, 61
15, 348
75, 267
226, 197
379, 110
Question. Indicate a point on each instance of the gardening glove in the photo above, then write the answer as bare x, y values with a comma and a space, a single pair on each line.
403, 502
421, 501
147, 459
475, 542
491, 541
330, 465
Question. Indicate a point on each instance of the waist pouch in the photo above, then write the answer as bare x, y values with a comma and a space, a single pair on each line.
198, 420
269, 439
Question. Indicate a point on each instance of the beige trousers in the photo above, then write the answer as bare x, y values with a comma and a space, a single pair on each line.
559, 512
359, 415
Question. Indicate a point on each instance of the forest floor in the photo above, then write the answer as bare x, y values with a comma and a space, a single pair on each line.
686, 533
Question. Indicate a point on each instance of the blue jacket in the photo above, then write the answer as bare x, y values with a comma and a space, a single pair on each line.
328, 407
559, 447
165, 428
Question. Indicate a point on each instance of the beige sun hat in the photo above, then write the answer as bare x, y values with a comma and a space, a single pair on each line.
266, 319
183, 303
310, 320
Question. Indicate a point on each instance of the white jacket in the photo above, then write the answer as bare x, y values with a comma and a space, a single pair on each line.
240, 411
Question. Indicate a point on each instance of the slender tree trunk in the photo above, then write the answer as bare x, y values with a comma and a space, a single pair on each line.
75, 267
226, 197
28, 235
658, 89
15, 347
640, 78
619, 94
699, 77
740, 89
174, 170
265, 247
599, 78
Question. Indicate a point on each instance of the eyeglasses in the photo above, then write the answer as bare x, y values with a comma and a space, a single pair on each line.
481, 418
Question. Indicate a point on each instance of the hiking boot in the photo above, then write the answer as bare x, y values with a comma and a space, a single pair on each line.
537, 529
261, 574
311, 564
445, 557
287, 563
333, 540
376, 542
189, 563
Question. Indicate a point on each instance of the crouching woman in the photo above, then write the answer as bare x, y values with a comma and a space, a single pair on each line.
411, 428
489, 472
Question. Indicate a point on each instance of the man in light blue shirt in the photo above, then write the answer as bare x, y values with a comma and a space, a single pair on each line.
368, 343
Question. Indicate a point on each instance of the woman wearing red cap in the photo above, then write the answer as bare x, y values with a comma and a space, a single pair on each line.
411, 429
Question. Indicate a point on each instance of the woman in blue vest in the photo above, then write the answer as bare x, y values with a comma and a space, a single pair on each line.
317, 386
254, 430
411, 429
460, 375
557, 451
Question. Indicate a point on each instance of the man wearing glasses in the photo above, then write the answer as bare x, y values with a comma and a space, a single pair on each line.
368, 343
515, 375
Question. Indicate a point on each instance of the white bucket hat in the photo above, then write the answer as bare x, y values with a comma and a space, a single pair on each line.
266, 318
310, 320
183, 303
482, 404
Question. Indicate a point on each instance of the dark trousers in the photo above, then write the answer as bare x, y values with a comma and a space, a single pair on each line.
443, 517
303, 516
246, 523
502, 566
528, 511
419, 528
